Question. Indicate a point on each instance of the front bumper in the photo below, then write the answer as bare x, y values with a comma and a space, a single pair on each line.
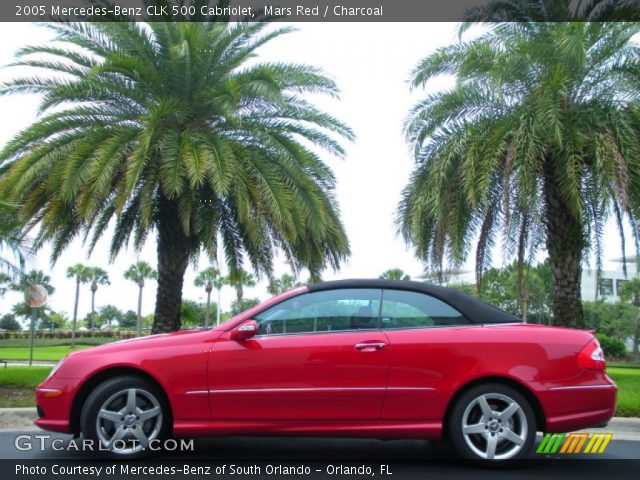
54, 398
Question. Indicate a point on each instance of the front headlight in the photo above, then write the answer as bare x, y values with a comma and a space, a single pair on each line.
56, 367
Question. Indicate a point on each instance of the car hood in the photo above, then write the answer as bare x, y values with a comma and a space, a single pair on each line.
152, 341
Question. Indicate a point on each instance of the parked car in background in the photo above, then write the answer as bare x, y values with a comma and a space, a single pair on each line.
357, 358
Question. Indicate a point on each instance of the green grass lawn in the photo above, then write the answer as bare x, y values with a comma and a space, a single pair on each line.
23, 377
628, 380
53, 353
17, 384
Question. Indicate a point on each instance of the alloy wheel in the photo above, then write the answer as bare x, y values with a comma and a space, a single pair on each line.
494, 426
129, 420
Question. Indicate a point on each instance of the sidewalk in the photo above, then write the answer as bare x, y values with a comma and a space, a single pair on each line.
623, 428
22, 419
17, 418
25, 363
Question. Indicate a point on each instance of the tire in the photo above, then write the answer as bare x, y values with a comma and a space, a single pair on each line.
493, 424
123, 414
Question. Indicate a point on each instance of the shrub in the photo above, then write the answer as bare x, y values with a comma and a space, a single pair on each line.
612, 347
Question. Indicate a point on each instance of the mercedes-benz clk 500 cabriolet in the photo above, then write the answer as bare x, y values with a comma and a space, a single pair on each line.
349, 358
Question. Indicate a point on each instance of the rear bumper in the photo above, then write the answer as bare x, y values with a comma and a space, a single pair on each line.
577, 407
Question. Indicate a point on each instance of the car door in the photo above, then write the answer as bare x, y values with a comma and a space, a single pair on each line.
427, 354
317, 356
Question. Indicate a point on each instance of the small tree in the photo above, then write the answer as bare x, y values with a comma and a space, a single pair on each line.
109, 314
129, 320
23, 310
9, 322
395, 274
246, 304
193, 313
53, 321
630, 292
615, 320
282, 284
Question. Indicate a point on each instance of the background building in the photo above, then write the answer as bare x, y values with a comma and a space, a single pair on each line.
612, 278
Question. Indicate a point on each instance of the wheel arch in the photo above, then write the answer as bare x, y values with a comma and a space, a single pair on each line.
101, 376
538, 411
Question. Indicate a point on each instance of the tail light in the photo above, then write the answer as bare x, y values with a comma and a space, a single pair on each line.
592, 356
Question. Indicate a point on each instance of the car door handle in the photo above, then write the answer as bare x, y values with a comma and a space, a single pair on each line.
370, 346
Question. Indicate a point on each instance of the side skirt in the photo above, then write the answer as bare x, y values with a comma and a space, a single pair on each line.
329, 428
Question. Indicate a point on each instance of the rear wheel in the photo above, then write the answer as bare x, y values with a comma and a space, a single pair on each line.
492, 423
124, 414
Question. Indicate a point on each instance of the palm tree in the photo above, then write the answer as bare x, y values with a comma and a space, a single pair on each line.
26, 312
81, 274
282, 284
31, 279
210, 278
25, 283
96, 276
138, 273
395, 274
539, 139
630, 292
314, 277
174, 128
239, 279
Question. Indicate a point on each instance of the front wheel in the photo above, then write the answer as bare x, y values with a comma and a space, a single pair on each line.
492, 423
124, 415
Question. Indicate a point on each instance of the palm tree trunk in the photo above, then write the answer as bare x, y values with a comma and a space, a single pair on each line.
75, 314
565, 244
239, 295
139, 315
93, 311
173, 259
218, 308
206, 313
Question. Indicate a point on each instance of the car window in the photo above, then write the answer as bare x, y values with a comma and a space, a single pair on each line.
329, 310
402, 309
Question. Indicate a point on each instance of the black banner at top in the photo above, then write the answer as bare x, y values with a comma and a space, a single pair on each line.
319, 10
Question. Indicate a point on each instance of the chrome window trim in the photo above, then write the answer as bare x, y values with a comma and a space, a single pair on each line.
323, 332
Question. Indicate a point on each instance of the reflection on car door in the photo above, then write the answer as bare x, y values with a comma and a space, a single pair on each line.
318, 356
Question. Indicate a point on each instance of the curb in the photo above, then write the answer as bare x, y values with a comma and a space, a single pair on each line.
12, 418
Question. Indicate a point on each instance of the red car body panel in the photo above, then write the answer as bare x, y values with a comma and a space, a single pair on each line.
329, 384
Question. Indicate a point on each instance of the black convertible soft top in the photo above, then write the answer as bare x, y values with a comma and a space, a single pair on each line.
474, 309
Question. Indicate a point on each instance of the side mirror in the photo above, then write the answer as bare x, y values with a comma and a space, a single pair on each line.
247, 330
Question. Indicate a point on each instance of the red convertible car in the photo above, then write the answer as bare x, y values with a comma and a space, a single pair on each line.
357, 358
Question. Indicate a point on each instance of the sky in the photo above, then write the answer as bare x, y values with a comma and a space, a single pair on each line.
371, 63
